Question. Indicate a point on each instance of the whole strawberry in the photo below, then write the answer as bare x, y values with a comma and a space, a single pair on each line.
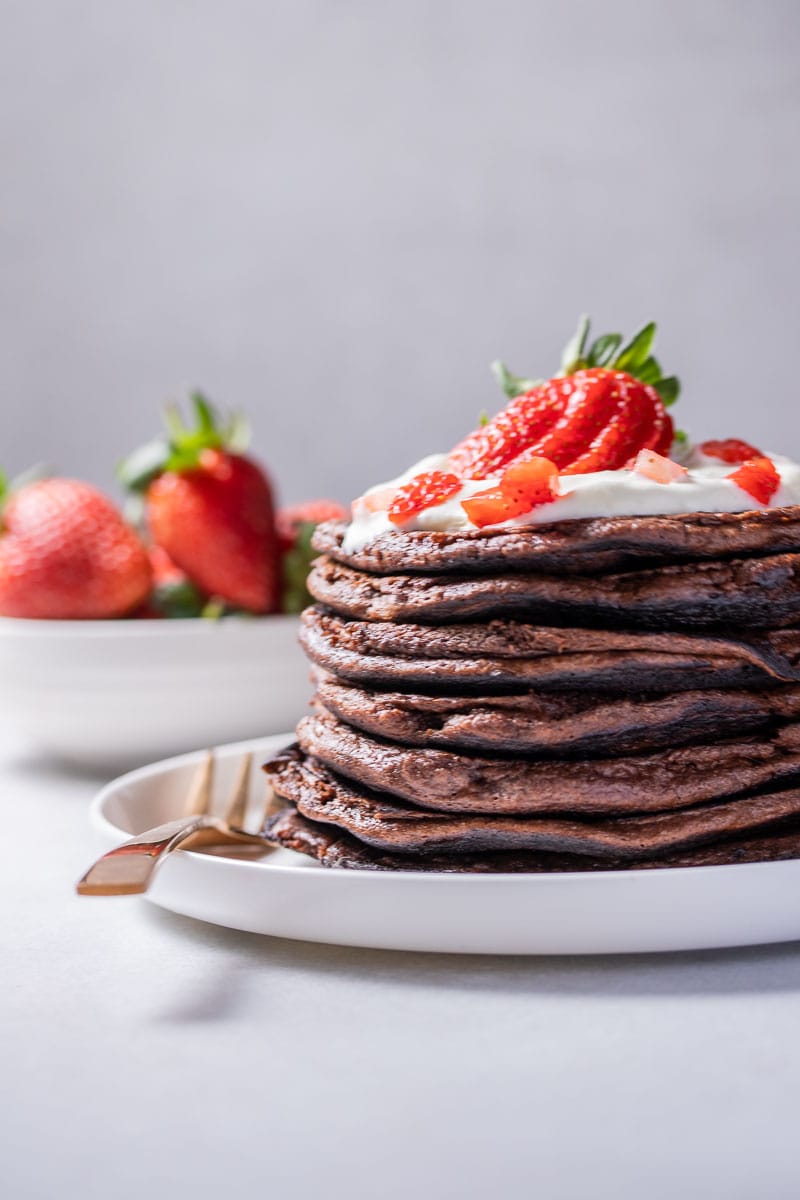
210, 508
296, 525
291, 520
605, 405
66, 553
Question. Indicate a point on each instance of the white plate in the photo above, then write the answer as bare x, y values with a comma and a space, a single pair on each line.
291, 896
119, 693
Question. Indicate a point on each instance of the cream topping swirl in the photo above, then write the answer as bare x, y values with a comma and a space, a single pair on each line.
623, 493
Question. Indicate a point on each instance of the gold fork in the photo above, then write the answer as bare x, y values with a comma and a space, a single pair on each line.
128, 869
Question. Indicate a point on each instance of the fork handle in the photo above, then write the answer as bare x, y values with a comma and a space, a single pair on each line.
128, 869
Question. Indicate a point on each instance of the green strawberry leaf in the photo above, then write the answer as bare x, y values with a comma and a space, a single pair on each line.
668, 389
603, 349
206, 417
638, 348
177, 600
572, 358
680, 436
214, 609
296, 566
649, 371
512, 385
236, 434
138, 470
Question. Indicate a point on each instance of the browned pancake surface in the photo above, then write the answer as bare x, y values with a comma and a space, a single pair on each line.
447, 782
507, 655
575, 546
334, 848
558, 723
756, 593
393, 827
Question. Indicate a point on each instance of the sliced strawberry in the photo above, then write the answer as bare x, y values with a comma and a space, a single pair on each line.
594, 420
730, 450
525, 419
608, 404
655, 466
758, 477
423, 491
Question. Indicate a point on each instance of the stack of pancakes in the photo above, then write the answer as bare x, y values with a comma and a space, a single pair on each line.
590, 694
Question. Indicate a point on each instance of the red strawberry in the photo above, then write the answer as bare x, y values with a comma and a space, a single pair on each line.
523, 486
289, 520
599, 413
210, 508
731, 450
493, 506
758, 477
296, 526
423, 491
534, 480
66, 553
525, 418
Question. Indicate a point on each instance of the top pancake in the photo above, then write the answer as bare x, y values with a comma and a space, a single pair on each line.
576, 547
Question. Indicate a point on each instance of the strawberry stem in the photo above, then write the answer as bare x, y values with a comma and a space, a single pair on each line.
573, 351
512, 385
579, 354
183, 445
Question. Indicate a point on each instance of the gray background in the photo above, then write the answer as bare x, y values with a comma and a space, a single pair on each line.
335, 215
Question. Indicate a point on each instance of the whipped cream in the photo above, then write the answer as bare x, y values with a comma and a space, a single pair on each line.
621, 493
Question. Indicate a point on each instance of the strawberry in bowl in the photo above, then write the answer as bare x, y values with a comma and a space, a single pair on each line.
66, 552
111, 644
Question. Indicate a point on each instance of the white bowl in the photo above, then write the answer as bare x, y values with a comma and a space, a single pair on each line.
113, 693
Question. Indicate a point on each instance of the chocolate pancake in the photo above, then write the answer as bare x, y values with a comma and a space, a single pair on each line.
333, 847
401, 828
559, 723
507, 655
460, 783
756, 593
574, 547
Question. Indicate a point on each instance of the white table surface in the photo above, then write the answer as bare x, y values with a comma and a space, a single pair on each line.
147, 1055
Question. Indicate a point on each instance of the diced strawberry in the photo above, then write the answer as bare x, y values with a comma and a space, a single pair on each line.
731, 450
524, 485
758, 477
423, 491
534, 480
493, 506
373, 502
655, 466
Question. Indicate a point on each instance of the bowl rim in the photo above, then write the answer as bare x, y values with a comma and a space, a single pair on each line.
142, 627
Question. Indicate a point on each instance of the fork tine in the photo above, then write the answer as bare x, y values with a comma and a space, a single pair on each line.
236, 808
198, 802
